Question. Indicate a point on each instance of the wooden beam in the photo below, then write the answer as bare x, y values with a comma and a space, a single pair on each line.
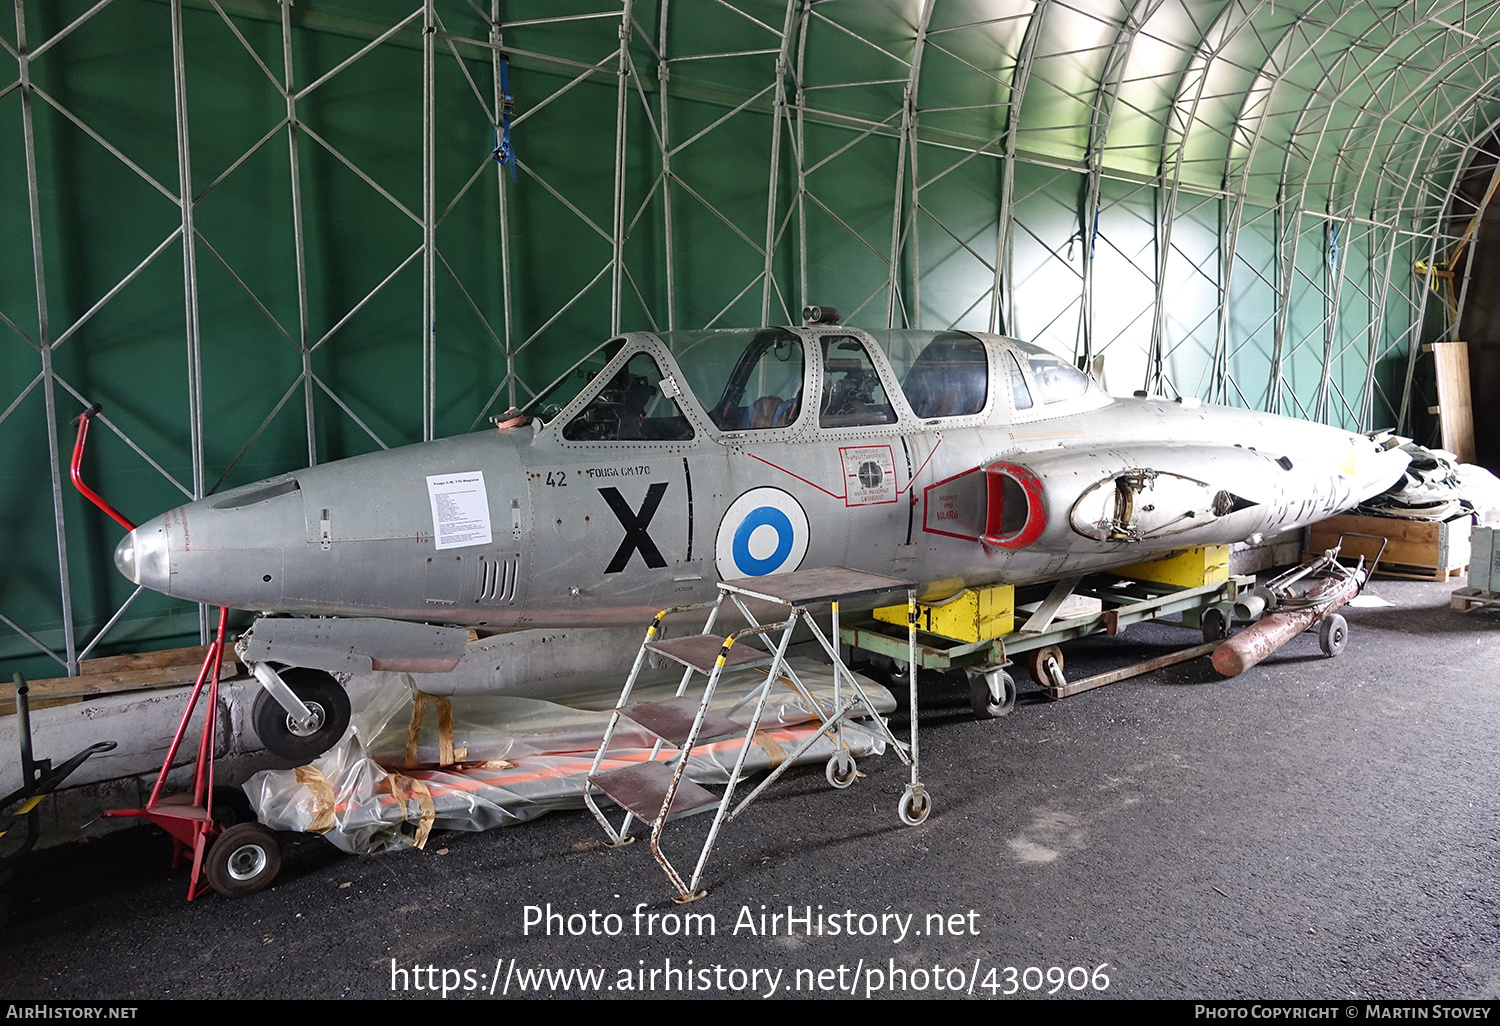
147, 660
1455, 407
43, 694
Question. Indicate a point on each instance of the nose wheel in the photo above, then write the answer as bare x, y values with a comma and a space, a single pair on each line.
301, 743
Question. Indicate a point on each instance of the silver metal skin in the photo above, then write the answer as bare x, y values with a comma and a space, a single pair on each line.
599, 528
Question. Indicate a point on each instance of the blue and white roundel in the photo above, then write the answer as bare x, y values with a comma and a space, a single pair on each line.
764, 532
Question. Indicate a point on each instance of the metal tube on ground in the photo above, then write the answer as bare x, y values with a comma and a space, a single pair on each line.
1250, 607
1253, 644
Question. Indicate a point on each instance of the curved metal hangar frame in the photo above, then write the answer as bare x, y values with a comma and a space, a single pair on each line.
265, 235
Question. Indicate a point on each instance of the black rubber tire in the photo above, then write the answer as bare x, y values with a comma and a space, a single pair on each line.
231, 806
313, 688
983, 701
1215, 624
881, 669
243, 860
1333, 634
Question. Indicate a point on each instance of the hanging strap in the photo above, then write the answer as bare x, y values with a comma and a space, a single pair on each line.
503, 154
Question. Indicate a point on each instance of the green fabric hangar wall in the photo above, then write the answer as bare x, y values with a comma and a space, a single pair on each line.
264, 235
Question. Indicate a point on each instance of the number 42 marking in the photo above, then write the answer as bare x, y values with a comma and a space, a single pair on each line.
557, 478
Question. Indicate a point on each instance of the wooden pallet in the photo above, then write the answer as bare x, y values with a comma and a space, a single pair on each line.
1420, 573
1465, 599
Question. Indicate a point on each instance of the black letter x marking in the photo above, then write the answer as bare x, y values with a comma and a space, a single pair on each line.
635, 525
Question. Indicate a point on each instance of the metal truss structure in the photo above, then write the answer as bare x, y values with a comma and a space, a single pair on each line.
1242, 200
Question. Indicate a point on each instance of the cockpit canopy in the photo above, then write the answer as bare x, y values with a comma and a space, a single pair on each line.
759, 380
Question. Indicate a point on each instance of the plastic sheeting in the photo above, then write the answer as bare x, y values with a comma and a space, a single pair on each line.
414, 763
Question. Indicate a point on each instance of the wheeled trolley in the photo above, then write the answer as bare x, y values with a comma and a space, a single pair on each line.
212, 827
987, 660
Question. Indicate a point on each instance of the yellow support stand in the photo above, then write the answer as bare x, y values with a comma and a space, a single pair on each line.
983, 614
1191, 569
975, 614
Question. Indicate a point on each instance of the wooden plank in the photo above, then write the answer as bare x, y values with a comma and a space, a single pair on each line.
65, 690
1420, 573
1455, 404
147, 660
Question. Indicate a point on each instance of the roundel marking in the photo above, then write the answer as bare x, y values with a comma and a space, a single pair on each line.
763, 532
767, 526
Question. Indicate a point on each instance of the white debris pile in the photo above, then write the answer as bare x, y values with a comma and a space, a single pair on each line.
1482, 489
1437, 487
413, 763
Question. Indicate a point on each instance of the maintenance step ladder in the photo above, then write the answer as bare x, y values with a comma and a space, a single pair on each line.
658, 789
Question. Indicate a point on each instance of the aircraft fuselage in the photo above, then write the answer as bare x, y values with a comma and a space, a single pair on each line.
950, 458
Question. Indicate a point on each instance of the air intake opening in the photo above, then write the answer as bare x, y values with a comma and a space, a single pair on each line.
1015, 515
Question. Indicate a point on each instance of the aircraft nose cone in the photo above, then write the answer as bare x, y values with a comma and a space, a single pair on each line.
142, 555
125, 557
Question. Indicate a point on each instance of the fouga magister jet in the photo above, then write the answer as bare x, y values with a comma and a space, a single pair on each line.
664, 462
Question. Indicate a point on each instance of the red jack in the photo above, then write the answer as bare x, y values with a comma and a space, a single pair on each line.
235, 858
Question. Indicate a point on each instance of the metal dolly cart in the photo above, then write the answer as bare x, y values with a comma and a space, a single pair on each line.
1124, 601
656, 790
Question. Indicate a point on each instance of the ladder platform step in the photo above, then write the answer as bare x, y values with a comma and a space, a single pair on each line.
672, 721
821, 584
701, 651
640, 790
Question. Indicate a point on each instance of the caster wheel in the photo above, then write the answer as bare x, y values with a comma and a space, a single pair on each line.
991, 694
243, 859
841, 769
231, 806
914, 807
322, 694
1215, 624
1333, 634
881, 668
1036, 664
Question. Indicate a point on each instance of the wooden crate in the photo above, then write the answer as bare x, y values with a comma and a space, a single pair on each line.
1191, 569
1420, 550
